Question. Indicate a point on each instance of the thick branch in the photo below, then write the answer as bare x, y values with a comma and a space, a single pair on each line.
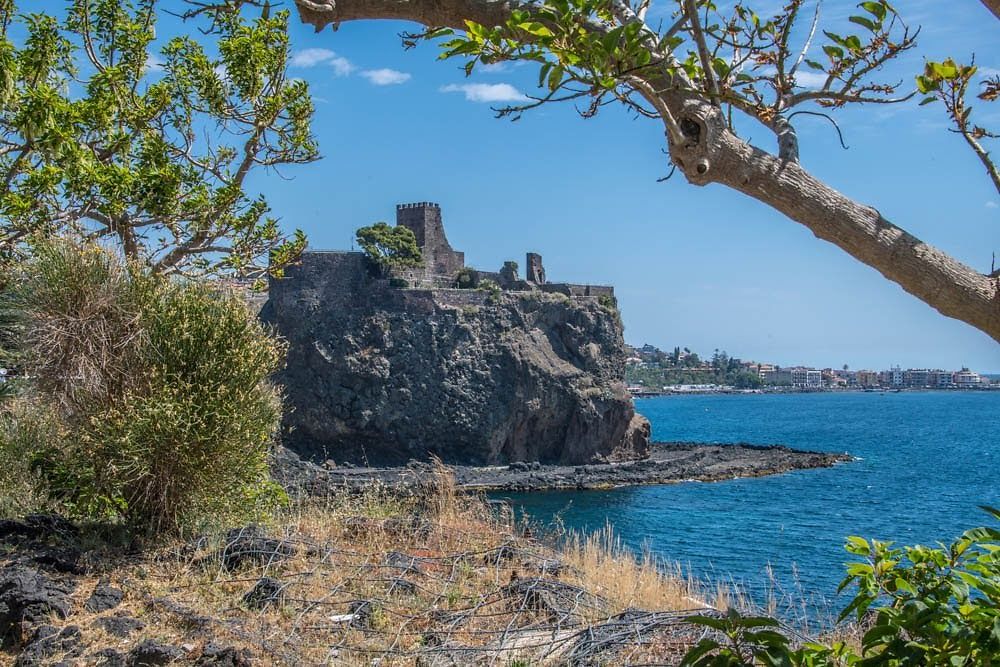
951, 287
993, 6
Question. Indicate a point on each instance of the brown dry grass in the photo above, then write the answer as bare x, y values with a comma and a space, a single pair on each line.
443, 580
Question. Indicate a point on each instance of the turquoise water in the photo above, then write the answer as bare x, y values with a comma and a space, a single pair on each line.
927, 460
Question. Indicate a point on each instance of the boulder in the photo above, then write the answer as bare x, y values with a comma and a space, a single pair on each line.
29, 598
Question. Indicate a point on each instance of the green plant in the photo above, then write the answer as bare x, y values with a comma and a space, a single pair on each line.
146, 150
390, 247
467, 278
172, 426
399, 283
608, 302
25, 427
931, 606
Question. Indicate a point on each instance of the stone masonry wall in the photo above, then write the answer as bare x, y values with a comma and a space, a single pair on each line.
424, 220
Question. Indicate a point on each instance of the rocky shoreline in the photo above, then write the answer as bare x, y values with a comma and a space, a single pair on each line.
668, 463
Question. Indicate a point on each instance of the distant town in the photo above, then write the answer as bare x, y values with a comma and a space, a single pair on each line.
650, 370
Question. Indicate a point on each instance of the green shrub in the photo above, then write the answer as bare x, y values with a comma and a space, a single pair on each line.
390, 248
399, 283
171, 425
467, 278
24, 426
930, 606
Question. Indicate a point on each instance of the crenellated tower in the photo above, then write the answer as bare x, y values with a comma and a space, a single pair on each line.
424, 220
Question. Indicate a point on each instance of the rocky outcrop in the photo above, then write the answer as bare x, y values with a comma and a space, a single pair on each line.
383, 375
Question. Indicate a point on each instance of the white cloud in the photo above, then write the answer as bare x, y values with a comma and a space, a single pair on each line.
808, 79
492, 68
486, 92
341, 66
154, 63
385, 76
312, 57
992, 204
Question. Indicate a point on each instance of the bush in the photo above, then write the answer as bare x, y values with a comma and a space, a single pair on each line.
170, 422
23, 425
467, 278
399, 283
922, 606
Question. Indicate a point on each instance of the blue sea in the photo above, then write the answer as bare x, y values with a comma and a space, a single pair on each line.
925, 461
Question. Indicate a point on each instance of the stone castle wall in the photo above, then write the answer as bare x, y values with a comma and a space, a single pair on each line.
424, 220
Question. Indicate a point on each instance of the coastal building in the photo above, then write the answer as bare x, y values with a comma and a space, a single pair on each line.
806, 378
893, 378
966, 379
868, 379
939, 379
916, 378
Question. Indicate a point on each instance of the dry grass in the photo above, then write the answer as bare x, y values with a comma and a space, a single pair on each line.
432, 579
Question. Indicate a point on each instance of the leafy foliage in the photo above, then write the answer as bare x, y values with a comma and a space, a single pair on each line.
604, 50
103, 137
24, 425
390, 247
931, 606
172, 423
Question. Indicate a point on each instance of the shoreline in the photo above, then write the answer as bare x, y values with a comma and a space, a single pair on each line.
800, 390
668, 463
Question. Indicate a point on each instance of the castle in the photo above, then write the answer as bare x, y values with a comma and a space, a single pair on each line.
443, 266
418, 363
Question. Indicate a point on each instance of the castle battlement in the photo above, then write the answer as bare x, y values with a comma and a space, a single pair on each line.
443, 265
419, 204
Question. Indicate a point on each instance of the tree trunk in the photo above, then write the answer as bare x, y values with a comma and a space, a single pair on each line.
711, 153
993, 6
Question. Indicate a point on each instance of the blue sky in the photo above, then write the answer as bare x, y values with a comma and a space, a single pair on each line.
699, 267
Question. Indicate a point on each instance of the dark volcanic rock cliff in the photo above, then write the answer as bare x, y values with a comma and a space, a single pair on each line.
383, 375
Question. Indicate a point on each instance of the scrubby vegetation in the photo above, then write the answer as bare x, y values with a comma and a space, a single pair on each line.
390, 248
150, 398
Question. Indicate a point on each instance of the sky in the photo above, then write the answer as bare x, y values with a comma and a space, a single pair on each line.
704, 268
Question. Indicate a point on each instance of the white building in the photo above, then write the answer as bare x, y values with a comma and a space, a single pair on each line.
966, 379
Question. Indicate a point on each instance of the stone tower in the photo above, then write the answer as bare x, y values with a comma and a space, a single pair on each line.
424, 220
535, 270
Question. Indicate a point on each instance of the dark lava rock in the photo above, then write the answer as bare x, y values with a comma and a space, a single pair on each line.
250, 546
403, 563
104, 597
265, 592
224, 656
29, 597
119, 625
65, 560
378, 375
107, 657
401, 586
185, 615
38, 525
151, 653
47, 642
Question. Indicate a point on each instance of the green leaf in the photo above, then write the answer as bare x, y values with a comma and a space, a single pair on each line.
877, 9
835, 52
858, 546
864, 22
535, 28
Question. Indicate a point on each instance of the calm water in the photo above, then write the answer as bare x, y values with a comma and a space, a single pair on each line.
926, 461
